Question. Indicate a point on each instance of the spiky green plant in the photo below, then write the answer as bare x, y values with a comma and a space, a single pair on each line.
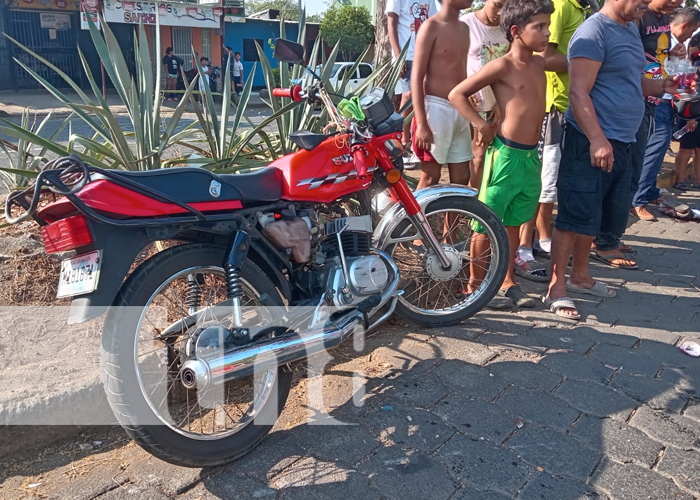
109, 146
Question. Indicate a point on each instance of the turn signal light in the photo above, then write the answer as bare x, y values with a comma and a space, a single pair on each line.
393, 147
393, 176
66, 234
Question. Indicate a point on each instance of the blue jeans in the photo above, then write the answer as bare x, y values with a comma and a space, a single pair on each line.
611, 241
654, 156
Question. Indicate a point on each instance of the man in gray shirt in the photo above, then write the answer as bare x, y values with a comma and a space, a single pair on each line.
606, 61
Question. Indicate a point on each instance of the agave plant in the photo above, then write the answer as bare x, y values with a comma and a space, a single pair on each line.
225, 146
109, 146
25, 164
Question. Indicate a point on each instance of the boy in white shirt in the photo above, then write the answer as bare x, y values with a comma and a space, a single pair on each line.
487, 42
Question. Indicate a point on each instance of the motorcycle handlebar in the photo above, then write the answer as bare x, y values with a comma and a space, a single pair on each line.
293, 93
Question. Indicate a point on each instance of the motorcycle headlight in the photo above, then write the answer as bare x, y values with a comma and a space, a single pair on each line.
394, 148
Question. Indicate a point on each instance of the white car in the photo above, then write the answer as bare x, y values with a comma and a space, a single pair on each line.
339, 70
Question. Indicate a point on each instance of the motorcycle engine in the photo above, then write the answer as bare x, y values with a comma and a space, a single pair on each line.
328, 252
347, 242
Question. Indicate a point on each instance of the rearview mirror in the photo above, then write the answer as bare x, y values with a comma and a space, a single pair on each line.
289, 52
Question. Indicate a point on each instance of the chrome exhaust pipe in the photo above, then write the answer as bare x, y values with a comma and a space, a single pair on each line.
200, 373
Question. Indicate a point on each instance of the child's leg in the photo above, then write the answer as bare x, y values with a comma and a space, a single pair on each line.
429, 174
544, 222
682, 159
513, 238
459, 174
527, 232
480, 252
477, 165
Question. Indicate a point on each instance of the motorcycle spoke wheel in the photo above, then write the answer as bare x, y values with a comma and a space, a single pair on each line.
217, 411
429, 290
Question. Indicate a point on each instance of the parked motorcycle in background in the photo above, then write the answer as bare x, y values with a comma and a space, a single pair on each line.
259, 270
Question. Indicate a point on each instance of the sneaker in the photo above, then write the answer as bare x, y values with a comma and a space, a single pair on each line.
411, 162
642, 213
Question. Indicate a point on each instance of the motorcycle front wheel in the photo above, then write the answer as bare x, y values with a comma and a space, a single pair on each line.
142, 366
432, 295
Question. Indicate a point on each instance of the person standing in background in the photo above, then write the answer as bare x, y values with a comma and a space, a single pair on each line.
487, 41
568, 16
237, 73
607, 89
404, 20
655, 32
170, 66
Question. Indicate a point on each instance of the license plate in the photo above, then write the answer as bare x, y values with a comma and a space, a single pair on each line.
79, 275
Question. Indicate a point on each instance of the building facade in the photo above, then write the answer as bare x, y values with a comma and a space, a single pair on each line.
54, 29
243, 34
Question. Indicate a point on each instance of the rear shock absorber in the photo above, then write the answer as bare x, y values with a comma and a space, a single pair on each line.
193, 297
234, 291
237, 253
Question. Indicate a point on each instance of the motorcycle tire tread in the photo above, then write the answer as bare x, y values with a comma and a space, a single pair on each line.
146, 436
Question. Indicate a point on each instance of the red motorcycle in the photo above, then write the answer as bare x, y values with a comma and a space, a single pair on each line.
255, 271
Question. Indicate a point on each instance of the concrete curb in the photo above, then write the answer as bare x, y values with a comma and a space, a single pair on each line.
23, 427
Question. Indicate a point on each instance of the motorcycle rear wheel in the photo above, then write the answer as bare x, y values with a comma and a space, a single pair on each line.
141, 370
431, 298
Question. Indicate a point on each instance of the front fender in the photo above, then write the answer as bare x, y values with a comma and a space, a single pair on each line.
423, 196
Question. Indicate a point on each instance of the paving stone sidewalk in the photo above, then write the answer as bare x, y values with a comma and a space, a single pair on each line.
509, 405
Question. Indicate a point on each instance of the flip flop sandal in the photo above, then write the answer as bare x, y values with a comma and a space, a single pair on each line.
518, 297
557, 305
608, 259
694, 186
599, 289
500, 302
526, 269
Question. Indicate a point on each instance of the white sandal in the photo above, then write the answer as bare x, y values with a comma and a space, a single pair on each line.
556, 306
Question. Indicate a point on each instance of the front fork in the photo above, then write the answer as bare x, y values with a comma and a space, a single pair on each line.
414, 213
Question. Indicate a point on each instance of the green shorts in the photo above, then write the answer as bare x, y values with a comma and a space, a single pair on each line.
512, 183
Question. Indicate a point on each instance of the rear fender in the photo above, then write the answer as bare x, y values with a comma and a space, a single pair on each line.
119, 246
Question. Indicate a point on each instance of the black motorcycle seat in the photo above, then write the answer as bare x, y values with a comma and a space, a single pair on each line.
197, 185
307, 140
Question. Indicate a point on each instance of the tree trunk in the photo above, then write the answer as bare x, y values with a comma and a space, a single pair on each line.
382, 47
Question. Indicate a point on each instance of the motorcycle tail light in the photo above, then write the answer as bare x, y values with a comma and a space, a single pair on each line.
66, 234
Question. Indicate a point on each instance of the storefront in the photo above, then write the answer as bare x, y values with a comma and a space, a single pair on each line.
182, 26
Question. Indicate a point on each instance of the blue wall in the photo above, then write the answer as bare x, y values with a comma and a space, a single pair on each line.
235, 33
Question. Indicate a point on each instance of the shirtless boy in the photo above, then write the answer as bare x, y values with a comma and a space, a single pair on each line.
511, 184
441, 136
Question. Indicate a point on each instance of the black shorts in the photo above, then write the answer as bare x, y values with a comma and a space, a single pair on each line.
691, 140
591, 201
